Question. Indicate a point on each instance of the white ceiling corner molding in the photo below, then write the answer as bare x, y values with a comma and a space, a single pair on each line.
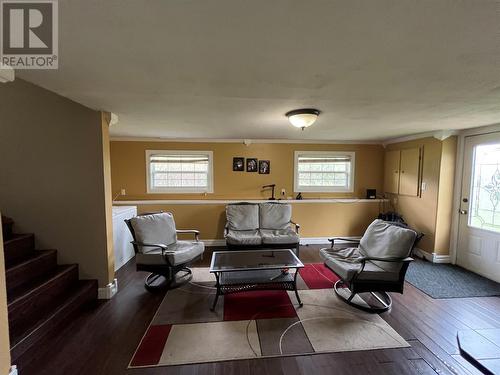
444, 134
494, 128
247, 142
440, 135
111, 118
7, 73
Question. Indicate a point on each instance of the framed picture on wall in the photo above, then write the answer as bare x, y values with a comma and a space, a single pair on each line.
252, 165
264, 166
238, 164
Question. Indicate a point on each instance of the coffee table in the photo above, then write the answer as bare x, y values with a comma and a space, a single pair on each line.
262, 269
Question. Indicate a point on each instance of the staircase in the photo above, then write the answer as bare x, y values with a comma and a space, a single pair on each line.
41, 295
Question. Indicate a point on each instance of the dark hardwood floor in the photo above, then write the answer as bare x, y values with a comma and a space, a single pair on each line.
104, 338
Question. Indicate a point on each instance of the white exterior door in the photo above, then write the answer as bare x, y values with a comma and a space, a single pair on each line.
479, 225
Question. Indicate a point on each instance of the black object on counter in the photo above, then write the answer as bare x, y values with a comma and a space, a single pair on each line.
272, 186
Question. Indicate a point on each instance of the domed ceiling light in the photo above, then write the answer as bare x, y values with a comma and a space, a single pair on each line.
302, 118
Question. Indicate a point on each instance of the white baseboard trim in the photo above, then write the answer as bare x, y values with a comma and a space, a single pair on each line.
303, 241
108, 291
324, 240
434, 258
13, 370
214, 242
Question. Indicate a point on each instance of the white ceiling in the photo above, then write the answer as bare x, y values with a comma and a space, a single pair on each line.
233, 68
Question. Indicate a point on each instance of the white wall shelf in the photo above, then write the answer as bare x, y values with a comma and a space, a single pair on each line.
227, 201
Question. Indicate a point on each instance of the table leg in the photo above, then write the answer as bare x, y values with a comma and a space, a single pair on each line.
295, 287
218, 292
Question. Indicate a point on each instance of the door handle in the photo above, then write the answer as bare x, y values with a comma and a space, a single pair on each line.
462, 212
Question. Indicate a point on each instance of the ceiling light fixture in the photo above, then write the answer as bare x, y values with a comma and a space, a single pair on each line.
302, 118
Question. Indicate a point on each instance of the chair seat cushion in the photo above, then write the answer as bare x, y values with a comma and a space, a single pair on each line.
243, 237
184, 252
343, 263
279, 236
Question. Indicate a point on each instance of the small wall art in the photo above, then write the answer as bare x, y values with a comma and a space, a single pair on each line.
264, 166
252, 165
238, 164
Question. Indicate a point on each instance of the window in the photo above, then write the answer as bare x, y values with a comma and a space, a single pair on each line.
179, 171
324, 171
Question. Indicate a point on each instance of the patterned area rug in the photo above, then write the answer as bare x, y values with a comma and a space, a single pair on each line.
258, 324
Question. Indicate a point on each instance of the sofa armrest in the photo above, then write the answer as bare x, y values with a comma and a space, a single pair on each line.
164, 248
297, 226
363, 261
351, 240
390, 260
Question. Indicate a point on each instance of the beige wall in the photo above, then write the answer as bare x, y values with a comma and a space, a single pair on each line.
128, 168
4, 319
53, 174
437, 173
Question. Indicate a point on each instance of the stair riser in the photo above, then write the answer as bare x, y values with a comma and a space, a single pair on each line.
7, 230
18, 248
24, 312
28, 271
63, 316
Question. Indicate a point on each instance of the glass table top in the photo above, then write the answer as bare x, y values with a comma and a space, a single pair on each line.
254, 260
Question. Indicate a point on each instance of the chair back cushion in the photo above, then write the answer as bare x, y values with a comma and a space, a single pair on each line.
154, 229
242, 216
384, 240
275, 215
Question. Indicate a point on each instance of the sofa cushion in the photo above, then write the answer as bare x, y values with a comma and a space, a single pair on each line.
243, 237
384, 240
343, 263
154, 229
242, 216
279, 236
275, 215
184, 252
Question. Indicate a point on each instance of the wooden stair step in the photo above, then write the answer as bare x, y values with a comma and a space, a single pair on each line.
82, 294
19, 247
7, 224
29, 302
40, 263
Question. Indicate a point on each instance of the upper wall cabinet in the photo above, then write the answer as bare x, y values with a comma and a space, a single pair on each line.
410, 171
402, 171
391, 179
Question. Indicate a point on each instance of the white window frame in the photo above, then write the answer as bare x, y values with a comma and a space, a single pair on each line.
183, 190
323, 189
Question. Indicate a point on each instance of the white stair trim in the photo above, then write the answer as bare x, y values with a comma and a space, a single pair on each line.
108, 291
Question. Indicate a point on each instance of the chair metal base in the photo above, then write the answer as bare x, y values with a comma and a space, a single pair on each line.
156, 282
382, 297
